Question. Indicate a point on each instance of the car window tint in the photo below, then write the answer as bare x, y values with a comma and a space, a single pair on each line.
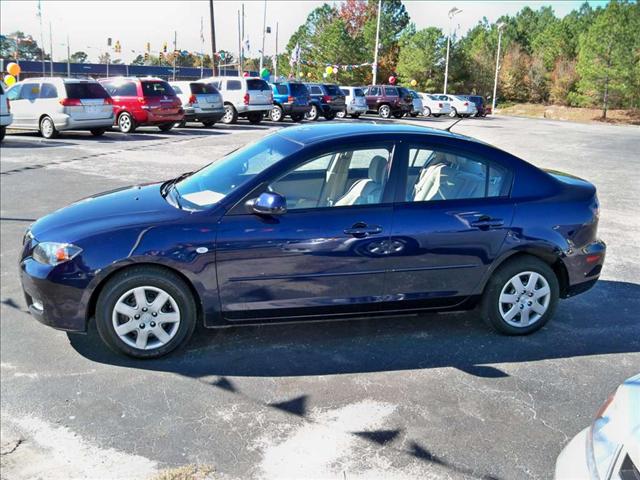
374, 91
338, 179
198, 88
281, 89
234, 85
441, 175
256, 84
85, 90
390, 92
177, 89
332, 89
316, 90
48, 90
345, 92
298, 89
157, 89
121, 89
357, 92
30, 91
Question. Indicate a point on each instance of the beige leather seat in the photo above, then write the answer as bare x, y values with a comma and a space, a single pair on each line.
367, 190
448, 177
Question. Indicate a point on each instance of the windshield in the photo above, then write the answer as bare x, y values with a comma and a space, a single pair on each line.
214, 182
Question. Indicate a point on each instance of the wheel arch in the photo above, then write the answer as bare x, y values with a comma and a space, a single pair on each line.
95, 294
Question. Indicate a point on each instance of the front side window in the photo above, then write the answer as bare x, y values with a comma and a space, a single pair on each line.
442, 175
214, 182
337, 179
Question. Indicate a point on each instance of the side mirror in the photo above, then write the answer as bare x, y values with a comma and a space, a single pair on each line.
269, 203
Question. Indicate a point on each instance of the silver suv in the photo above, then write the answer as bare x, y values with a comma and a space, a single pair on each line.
201, 102
243, 97
50, 105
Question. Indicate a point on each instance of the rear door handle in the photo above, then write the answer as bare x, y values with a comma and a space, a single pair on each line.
361, 230
487, 222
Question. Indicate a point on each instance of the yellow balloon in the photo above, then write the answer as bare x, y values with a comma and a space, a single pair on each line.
9, 80
13, 69
309, 75
414, 83
329, 70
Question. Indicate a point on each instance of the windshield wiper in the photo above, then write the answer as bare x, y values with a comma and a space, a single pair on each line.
171, 185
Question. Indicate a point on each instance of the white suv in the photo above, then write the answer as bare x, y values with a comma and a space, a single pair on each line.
50, 105
248, 97
201, 102
5, 112
356, 102
460, 106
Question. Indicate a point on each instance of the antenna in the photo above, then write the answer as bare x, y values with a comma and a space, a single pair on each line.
448, 129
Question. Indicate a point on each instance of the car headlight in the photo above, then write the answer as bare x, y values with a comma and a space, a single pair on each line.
53, 253
28, 236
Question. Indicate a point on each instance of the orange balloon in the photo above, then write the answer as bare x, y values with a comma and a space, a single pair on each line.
14, 69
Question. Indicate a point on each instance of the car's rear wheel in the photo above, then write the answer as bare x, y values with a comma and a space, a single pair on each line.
145, 312
230, 114
521, 296
313, 113
209, 123
254, 117
48, 128
426, 112
275, 114
165, 127
297, 117
398, 114
384, 111
341, 114
453, 113
437, 115
98, 132
126, 123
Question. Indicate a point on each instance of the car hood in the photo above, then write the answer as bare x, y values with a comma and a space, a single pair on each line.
123, 207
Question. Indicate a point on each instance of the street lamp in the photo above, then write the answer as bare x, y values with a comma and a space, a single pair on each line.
452, 13
500, 26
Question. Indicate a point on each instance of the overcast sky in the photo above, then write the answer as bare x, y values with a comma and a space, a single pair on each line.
90, 23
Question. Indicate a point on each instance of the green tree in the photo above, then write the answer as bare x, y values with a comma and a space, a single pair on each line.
421, 58
27, 47
78, 57
608, 57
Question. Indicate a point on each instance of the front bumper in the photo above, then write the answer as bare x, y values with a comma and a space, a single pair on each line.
58, 305
572, 461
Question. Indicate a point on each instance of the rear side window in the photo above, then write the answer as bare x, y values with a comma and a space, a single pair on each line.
390, 92
48, 90
176, 89
333, 90
255, 84
202, 88
298, 89
282, 89
357, 92
85, 90
121, 89
316, 90
157, 89
234, 85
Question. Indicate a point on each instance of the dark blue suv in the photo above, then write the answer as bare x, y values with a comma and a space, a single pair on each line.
326, 99
289, 98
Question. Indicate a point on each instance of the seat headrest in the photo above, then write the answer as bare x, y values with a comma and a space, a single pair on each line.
378, 168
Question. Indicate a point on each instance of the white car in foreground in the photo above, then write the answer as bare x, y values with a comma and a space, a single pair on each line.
460, 106
5, 112
609, 449
433, 106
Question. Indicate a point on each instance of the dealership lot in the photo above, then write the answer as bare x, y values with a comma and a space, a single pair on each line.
432, 396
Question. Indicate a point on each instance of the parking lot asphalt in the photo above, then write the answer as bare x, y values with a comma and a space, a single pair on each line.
429, 396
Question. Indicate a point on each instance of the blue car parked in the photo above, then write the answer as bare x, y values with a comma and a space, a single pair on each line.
317, 222
326, 99
289, 99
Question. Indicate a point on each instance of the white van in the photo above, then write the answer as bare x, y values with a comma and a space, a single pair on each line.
249, 97
50, 105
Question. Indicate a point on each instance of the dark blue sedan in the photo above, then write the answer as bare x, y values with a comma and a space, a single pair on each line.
318, 222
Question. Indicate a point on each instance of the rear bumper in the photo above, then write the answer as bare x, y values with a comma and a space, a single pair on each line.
67, 123
584, 267
289, 108
356, 109
204, 116
6, 120
244, 109
151, 117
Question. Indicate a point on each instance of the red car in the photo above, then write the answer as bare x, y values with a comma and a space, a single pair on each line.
387, 100
143, 101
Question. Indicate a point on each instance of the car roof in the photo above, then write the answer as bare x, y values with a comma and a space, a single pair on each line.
310, 134
58, 79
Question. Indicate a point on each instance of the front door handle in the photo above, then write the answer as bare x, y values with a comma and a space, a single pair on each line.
486, 221
361, 230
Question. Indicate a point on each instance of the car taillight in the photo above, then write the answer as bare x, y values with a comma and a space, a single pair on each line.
193, 99
246, 99
326, 98
70, 102
290, 99
107, 101
466, 104
142, 100
440, 105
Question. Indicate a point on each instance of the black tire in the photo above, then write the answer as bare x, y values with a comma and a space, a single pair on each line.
297, 117
414, 114
453, 113
437, 115
165, 127
355, 115
341, 114
490, 306
276, 114
126, 123
181, 124
3, 131
255, 117
313, 114
98, 132
230, 114
153, 277
48, 128
426, 112
384, 111
329, 115
209, 123
398, 114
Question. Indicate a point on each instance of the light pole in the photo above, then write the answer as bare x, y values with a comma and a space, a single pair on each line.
375, 54
452, 13
264, 31
500, 26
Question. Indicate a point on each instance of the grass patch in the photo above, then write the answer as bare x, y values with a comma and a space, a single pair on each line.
571, 114
187, 472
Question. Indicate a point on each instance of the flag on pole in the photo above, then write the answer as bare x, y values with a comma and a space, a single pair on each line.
295, 55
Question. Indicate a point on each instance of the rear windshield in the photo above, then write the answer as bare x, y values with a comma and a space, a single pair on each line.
256, 84
157, 89
202, 88
85, 90
333, 90
298, 89
357, 92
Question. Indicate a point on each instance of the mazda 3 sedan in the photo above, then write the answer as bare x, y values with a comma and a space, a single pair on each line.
317, 222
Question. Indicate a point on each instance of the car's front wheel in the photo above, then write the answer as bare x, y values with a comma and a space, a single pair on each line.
145, 312
48, 128
126, 123
384, 111
313, 113
426, 112
276, 114
521, 296
230, 114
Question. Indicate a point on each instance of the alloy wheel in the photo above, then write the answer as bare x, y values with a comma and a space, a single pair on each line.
384, 111
146, 317
275, 114
228, 114
47, 128
124, 123
524, 299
